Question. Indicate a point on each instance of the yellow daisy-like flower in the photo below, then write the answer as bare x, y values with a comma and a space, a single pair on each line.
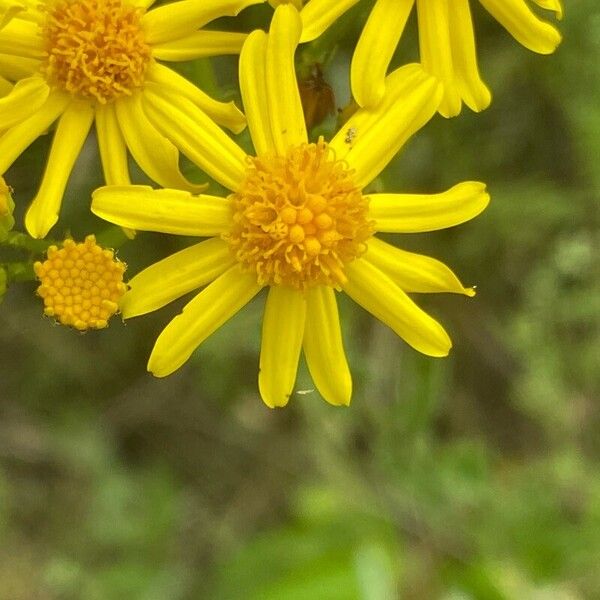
80, 284
446, 40
84, 61
298, 222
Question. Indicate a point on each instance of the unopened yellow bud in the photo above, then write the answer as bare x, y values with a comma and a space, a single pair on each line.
81, 284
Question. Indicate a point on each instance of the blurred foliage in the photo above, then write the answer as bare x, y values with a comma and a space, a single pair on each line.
471, 478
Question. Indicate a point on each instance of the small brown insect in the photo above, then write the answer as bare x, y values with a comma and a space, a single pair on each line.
350, 135
318, 100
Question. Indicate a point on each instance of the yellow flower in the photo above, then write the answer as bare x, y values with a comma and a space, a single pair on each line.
446, 40
299, 222
86, 61
80, 284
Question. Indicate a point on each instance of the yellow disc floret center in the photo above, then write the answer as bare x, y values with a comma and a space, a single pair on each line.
298, 219
80, 284
95, 48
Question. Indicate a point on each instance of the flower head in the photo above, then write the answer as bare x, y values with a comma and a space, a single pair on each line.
446, 42
85, 62
299, 218
99, 63
81, 284
298, 221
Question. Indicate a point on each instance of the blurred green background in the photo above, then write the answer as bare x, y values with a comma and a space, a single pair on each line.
474, 477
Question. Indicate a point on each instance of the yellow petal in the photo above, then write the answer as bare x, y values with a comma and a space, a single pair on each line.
521, 22
285, 108
436, 52
5, 86
175, 276
17, 67
324, 348
554, 5
164, 211
14, 140
200, 44
26, 97
414, 272
8, 10
210, 309
113, 151
156, 155
282, 332
412, 98
73, 128
375, 49
318, 15
225, 114
252, 75
199, 138
378, 294
296, 3
145, 4
413, 213
22, 38
179, 19
466, 73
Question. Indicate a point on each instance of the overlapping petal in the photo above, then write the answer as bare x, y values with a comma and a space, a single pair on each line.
113, 150
224, 113
200, 44
21, 38
436, 50
414, 272
70, 135
377, 293
165, 211
524, 25
197, 136
371, 138
472, 89
285, 108
324, 348
27, 96
318, 15
413, 213
179, 19
252, 73
282, 333
154, 152
210, 309
17, 67
14, 140
176, 275
375, 48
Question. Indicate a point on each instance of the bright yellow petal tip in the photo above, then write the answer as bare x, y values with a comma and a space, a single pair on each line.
81, 284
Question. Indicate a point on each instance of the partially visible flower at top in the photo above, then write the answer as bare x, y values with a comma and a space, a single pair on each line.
6, 209
446, 40
299, 222
86, 61
81, 284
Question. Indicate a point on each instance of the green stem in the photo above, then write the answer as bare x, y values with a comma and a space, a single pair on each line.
16, 239
19, 271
